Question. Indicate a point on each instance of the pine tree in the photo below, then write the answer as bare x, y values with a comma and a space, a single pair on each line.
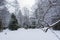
13, 25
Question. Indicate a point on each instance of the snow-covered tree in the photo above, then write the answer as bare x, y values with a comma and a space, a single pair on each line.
39, 12
20, 18
26, 17
48, 12
4, 13
13, 25
13, 7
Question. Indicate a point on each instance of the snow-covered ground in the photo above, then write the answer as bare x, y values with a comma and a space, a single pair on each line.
30, 34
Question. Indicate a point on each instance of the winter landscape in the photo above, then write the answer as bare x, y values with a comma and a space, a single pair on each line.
29, 19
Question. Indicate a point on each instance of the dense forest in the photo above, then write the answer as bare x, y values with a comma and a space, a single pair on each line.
45, 13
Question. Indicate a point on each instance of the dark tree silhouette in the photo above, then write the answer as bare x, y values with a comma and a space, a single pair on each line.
56, 26
13, 25
1, 27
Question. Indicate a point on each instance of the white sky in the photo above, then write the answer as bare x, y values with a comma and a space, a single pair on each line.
26, 3
22, 3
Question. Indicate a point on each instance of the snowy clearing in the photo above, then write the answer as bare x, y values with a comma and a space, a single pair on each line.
30, 34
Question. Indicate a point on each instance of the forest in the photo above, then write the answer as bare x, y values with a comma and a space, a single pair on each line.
43, 14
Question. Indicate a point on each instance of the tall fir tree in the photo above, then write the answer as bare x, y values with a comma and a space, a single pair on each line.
13, 25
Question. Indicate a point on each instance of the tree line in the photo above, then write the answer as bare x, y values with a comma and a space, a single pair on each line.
45, 14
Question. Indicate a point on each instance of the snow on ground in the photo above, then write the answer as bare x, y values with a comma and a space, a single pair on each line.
30, 34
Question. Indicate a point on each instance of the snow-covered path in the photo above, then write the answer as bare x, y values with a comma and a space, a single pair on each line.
30, 34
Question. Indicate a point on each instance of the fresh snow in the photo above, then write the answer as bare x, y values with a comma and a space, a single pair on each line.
29, 34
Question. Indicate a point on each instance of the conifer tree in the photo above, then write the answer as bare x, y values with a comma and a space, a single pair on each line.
1, 27
13, 25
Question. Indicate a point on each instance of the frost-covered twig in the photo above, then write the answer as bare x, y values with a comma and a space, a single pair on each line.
51, 26
55, 23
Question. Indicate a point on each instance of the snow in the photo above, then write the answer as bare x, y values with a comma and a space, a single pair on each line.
29, 34
55, 23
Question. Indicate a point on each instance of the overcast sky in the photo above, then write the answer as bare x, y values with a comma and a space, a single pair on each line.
22, 4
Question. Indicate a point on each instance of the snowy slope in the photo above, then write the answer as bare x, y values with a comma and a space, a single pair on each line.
30, 34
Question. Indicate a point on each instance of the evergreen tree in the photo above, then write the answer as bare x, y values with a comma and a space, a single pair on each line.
13, 25
1, 27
